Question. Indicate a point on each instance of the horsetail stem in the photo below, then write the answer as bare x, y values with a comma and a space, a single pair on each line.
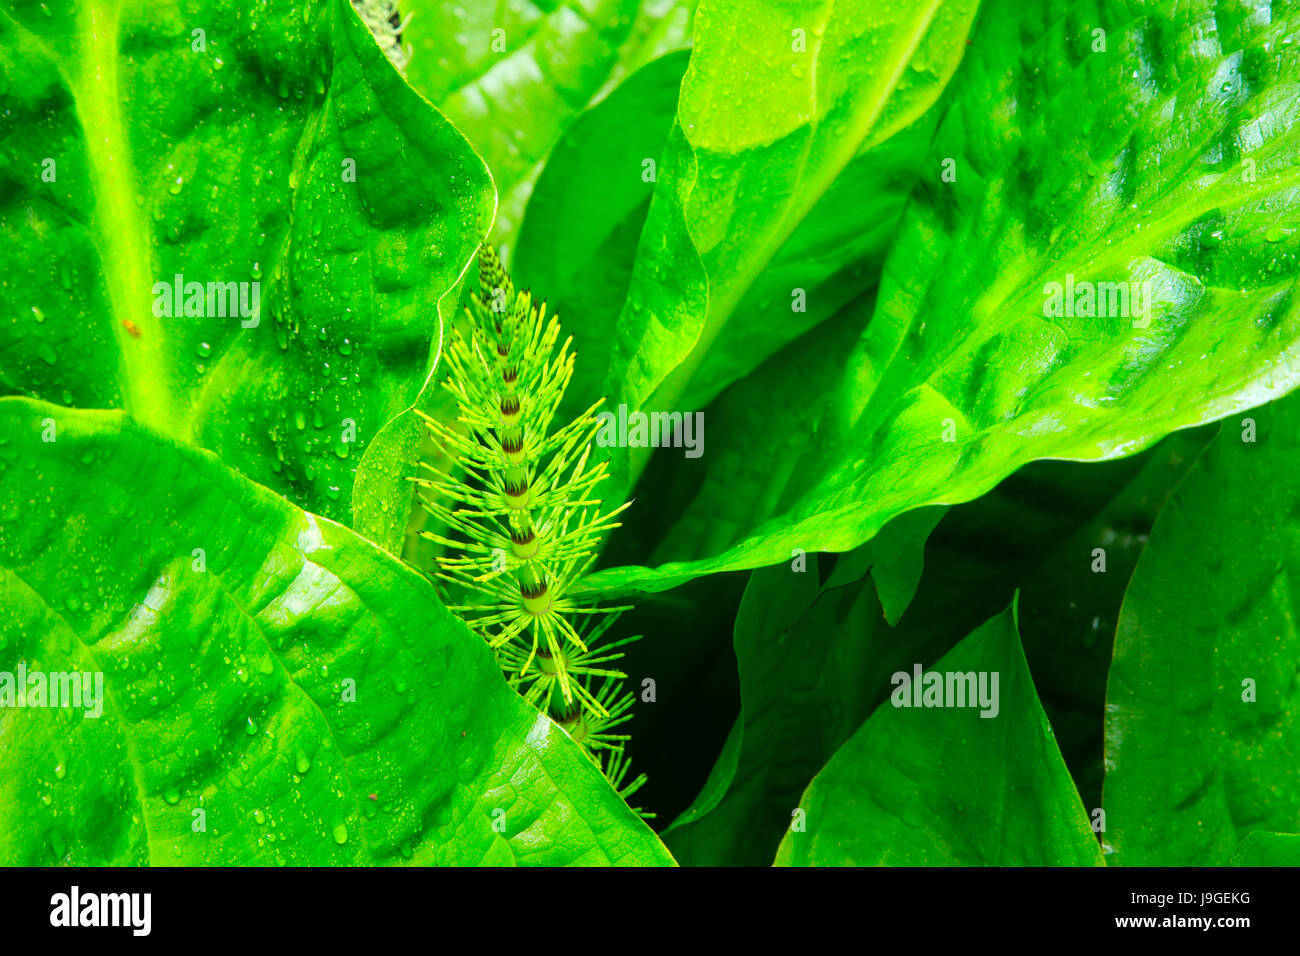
518, 518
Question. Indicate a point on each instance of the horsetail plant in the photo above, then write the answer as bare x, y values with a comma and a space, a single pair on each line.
386, 23
519, 519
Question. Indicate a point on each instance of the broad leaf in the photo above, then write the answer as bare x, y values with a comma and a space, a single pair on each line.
778, 100
1071, 165
273, 152
807, 680
276, 690
811, 659
1202, 704
948, 786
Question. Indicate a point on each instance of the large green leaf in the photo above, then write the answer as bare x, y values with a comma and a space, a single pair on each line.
588, 208
778, 100
217, 142
945, 785
295, 683
1202, 702
1068, 162
513, 75
813, 662
757, 431
755, 434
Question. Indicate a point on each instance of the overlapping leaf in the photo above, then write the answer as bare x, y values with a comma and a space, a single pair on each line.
946, 785
514, 75
809, 676
813, 662
1262, 848
268, 150
1071, 165
579, 237
277, 690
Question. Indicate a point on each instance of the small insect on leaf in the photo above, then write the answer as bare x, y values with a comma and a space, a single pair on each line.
131, 327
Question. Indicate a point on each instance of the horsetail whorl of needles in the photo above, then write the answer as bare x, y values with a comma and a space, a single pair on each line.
518, 517
387, 24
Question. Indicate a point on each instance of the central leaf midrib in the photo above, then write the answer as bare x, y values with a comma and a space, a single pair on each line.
121, 232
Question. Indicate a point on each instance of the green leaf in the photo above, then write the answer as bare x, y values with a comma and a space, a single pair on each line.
806, 682
1203, 708
513, 75
241, 173
833, 256
1039, 532
586, 214
946, 786
1268, 849
755, 435
748, 467
231, 629
1179, 174
579, 237
778, 100
814, 662
1068, 609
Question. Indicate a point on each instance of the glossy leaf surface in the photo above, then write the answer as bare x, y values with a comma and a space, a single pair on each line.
276, 690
